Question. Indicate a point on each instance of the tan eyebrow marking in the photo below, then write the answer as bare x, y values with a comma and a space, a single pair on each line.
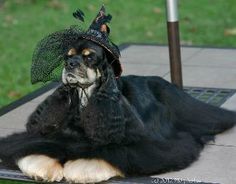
72, 52
88, 51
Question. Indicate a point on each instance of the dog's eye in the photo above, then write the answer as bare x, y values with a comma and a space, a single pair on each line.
89, 58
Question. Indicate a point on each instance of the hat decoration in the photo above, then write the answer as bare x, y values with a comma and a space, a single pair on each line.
49, 54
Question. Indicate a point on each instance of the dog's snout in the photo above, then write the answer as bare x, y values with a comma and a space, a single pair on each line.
72, 63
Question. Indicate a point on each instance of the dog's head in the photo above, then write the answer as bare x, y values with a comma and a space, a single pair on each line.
84, 64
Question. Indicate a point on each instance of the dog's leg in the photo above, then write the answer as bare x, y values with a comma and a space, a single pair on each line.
89, 171
49, 115
41, 168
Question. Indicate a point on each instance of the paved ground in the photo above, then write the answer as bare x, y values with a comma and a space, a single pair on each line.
202, 67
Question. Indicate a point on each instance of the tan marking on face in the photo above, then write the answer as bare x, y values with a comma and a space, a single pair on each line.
88, 51
72, 52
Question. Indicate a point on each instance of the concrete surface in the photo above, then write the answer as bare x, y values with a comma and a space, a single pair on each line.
216, 164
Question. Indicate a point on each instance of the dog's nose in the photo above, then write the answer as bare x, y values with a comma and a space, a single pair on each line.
72, 63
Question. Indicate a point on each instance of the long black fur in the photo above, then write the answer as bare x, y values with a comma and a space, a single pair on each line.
141, 125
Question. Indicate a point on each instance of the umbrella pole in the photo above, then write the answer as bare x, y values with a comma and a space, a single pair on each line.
174, 44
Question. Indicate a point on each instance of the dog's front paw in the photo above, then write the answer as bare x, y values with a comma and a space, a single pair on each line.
41, 168
89, 171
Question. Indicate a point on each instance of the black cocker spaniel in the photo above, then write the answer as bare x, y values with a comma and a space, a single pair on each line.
96, 126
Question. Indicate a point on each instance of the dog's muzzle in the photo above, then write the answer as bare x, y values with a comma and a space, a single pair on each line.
80, 76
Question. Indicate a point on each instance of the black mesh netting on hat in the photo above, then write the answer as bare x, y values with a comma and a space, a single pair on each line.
48, 57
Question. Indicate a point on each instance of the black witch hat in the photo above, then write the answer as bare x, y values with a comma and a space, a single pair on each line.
48, 57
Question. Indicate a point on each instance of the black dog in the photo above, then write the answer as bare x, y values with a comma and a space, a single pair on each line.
95, 126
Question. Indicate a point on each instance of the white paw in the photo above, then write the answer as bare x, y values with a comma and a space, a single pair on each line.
41, 167
89, 171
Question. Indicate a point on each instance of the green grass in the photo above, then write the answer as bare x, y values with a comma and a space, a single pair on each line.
24, 22
13, 182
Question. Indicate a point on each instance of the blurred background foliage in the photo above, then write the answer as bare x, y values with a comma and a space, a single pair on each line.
24, 22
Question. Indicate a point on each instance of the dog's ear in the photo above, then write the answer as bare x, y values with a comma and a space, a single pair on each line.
114, 63
106, 67
103, 119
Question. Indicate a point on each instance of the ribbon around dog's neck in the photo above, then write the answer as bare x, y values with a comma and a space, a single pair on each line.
83, 92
